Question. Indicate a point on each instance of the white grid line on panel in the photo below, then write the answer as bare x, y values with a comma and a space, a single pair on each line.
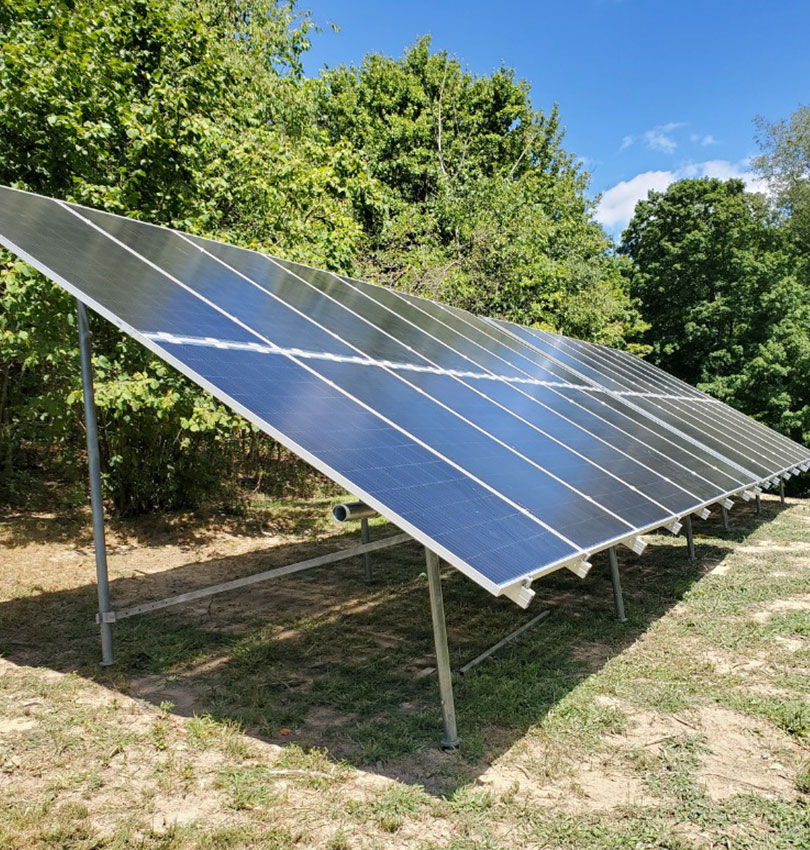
361, 360
358, 360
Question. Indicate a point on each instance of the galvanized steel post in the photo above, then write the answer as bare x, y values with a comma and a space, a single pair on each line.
450, 741
99, 544
618, 600
364, 538
782, 492
759, 505
690, 540
725, 519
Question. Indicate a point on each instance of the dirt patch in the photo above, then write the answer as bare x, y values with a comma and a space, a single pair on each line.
16, 724
726, 664
171, 811
600, 788
595, 786
745, 756
791, 644
781, 606
649, 730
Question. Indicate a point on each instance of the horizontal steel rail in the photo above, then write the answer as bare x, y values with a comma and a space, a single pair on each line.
224, 587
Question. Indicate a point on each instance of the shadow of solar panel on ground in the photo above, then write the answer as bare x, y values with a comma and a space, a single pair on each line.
325, 661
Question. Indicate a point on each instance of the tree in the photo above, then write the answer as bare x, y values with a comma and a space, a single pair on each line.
715, 277
785, 162
484, 208
195, 114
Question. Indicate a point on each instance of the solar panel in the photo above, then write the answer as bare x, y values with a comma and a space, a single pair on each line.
687, 403
508, 451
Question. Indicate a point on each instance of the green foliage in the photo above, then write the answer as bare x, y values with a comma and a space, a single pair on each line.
483, 207
715, 276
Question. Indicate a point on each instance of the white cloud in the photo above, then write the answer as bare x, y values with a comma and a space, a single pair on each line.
703, 141
722, 169
626, 142
617, 204
660, 138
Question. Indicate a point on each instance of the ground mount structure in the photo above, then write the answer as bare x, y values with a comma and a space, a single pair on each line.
508, 452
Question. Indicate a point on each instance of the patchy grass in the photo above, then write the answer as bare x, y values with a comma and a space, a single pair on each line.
304, 712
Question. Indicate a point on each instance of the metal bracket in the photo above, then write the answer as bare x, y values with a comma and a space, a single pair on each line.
521, 594
105, 617
674, 526
703, 513
635, 544
727, 504
580, 568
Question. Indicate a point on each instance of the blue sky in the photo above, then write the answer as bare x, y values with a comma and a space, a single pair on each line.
649, 90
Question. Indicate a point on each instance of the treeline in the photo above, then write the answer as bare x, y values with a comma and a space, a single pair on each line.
722, 277
411, 172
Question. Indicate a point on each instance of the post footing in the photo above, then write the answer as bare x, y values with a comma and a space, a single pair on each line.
450, 745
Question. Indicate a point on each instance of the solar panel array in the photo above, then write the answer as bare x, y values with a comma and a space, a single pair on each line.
507, 450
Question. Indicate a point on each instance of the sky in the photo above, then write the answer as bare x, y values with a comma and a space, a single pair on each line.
649, 91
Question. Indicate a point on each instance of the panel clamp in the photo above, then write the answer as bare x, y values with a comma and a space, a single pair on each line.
635, 544
521, 594
580, 568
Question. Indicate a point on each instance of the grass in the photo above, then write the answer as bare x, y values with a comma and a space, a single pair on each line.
304, 713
